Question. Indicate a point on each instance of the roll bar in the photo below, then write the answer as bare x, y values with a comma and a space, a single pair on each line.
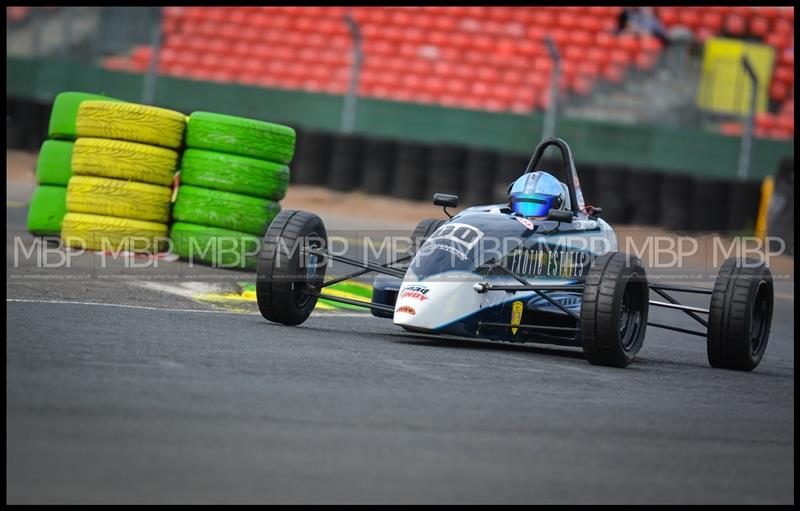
568, 167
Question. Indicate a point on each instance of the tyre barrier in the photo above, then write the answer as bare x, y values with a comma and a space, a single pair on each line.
743, 211
130, 122
232, 211
346, 163
46, 210
780, 214
378, 166
676, 202
445, 170
642, 190
64, 115
54, 163
235, 174
210, 245
101, 232
232, 175
610, 194
119, 159
411, 171
587, 175
26, 123
238, 135
710, 203
479, 171
123, 164
314, 150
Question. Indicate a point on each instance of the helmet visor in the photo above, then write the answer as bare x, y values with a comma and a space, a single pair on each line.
532, 204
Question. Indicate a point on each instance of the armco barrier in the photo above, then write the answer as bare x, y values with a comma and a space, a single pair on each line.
378, 166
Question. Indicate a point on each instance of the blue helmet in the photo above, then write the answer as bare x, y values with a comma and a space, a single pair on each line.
535, 193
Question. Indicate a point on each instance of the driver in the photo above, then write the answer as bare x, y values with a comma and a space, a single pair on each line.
536, 193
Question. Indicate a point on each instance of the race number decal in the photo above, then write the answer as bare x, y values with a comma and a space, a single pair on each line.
463, 234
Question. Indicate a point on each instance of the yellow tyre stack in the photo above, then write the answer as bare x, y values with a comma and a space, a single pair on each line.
123, 163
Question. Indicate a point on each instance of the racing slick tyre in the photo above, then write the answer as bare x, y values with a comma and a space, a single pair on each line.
238, 135
286, 279
124, 160
132, 122
237, 174
740, 314
424, 229
613, 316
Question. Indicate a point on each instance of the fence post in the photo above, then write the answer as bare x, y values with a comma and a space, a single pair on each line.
549, 129
351, 99
747, 133
149, 84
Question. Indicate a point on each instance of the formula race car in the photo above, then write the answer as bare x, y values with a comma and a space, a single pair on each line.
490, 272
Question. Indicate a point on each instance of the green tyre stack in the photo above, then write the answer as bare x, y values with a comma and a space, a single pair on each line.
232, 175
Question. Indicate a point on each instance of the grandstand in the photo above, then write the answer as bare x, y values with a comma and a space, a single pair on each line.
478, 58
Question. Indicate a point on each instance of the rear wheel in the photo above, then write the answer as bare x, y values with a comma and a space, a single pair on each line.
614, 311
287, 275
740, 315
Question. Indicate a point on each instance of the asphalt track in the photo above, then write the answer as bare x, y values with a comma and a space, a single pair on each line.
159, 398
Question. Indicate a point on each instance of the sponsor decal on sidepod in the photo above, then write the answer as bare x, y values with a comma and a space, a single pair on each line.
406, 309
416, 292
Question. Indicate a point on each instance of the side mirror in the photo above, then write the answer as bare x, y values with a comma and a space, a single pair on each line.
559, 215
594, 212
446, 201
442, 199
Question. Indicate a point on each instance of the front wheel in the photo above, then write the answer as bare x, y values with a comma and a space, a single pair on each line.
288, 276
740, 315
614, 311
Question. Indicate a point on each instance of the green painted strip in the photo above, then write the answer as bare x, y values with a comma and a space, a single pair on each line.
359, 289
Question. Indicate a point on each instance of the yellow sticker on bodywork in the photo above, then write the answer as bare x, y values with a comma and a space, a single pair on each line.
516, 316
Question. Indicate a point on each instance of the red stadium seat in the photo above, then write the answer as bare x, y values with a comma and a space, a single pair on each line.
778, 91
735, 25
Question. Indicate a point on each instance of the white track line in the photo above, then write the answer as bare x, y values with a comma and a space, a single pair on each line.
164, 309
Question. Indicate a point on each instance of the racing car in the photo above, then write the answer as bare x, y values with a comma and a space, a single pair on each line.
555, 277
